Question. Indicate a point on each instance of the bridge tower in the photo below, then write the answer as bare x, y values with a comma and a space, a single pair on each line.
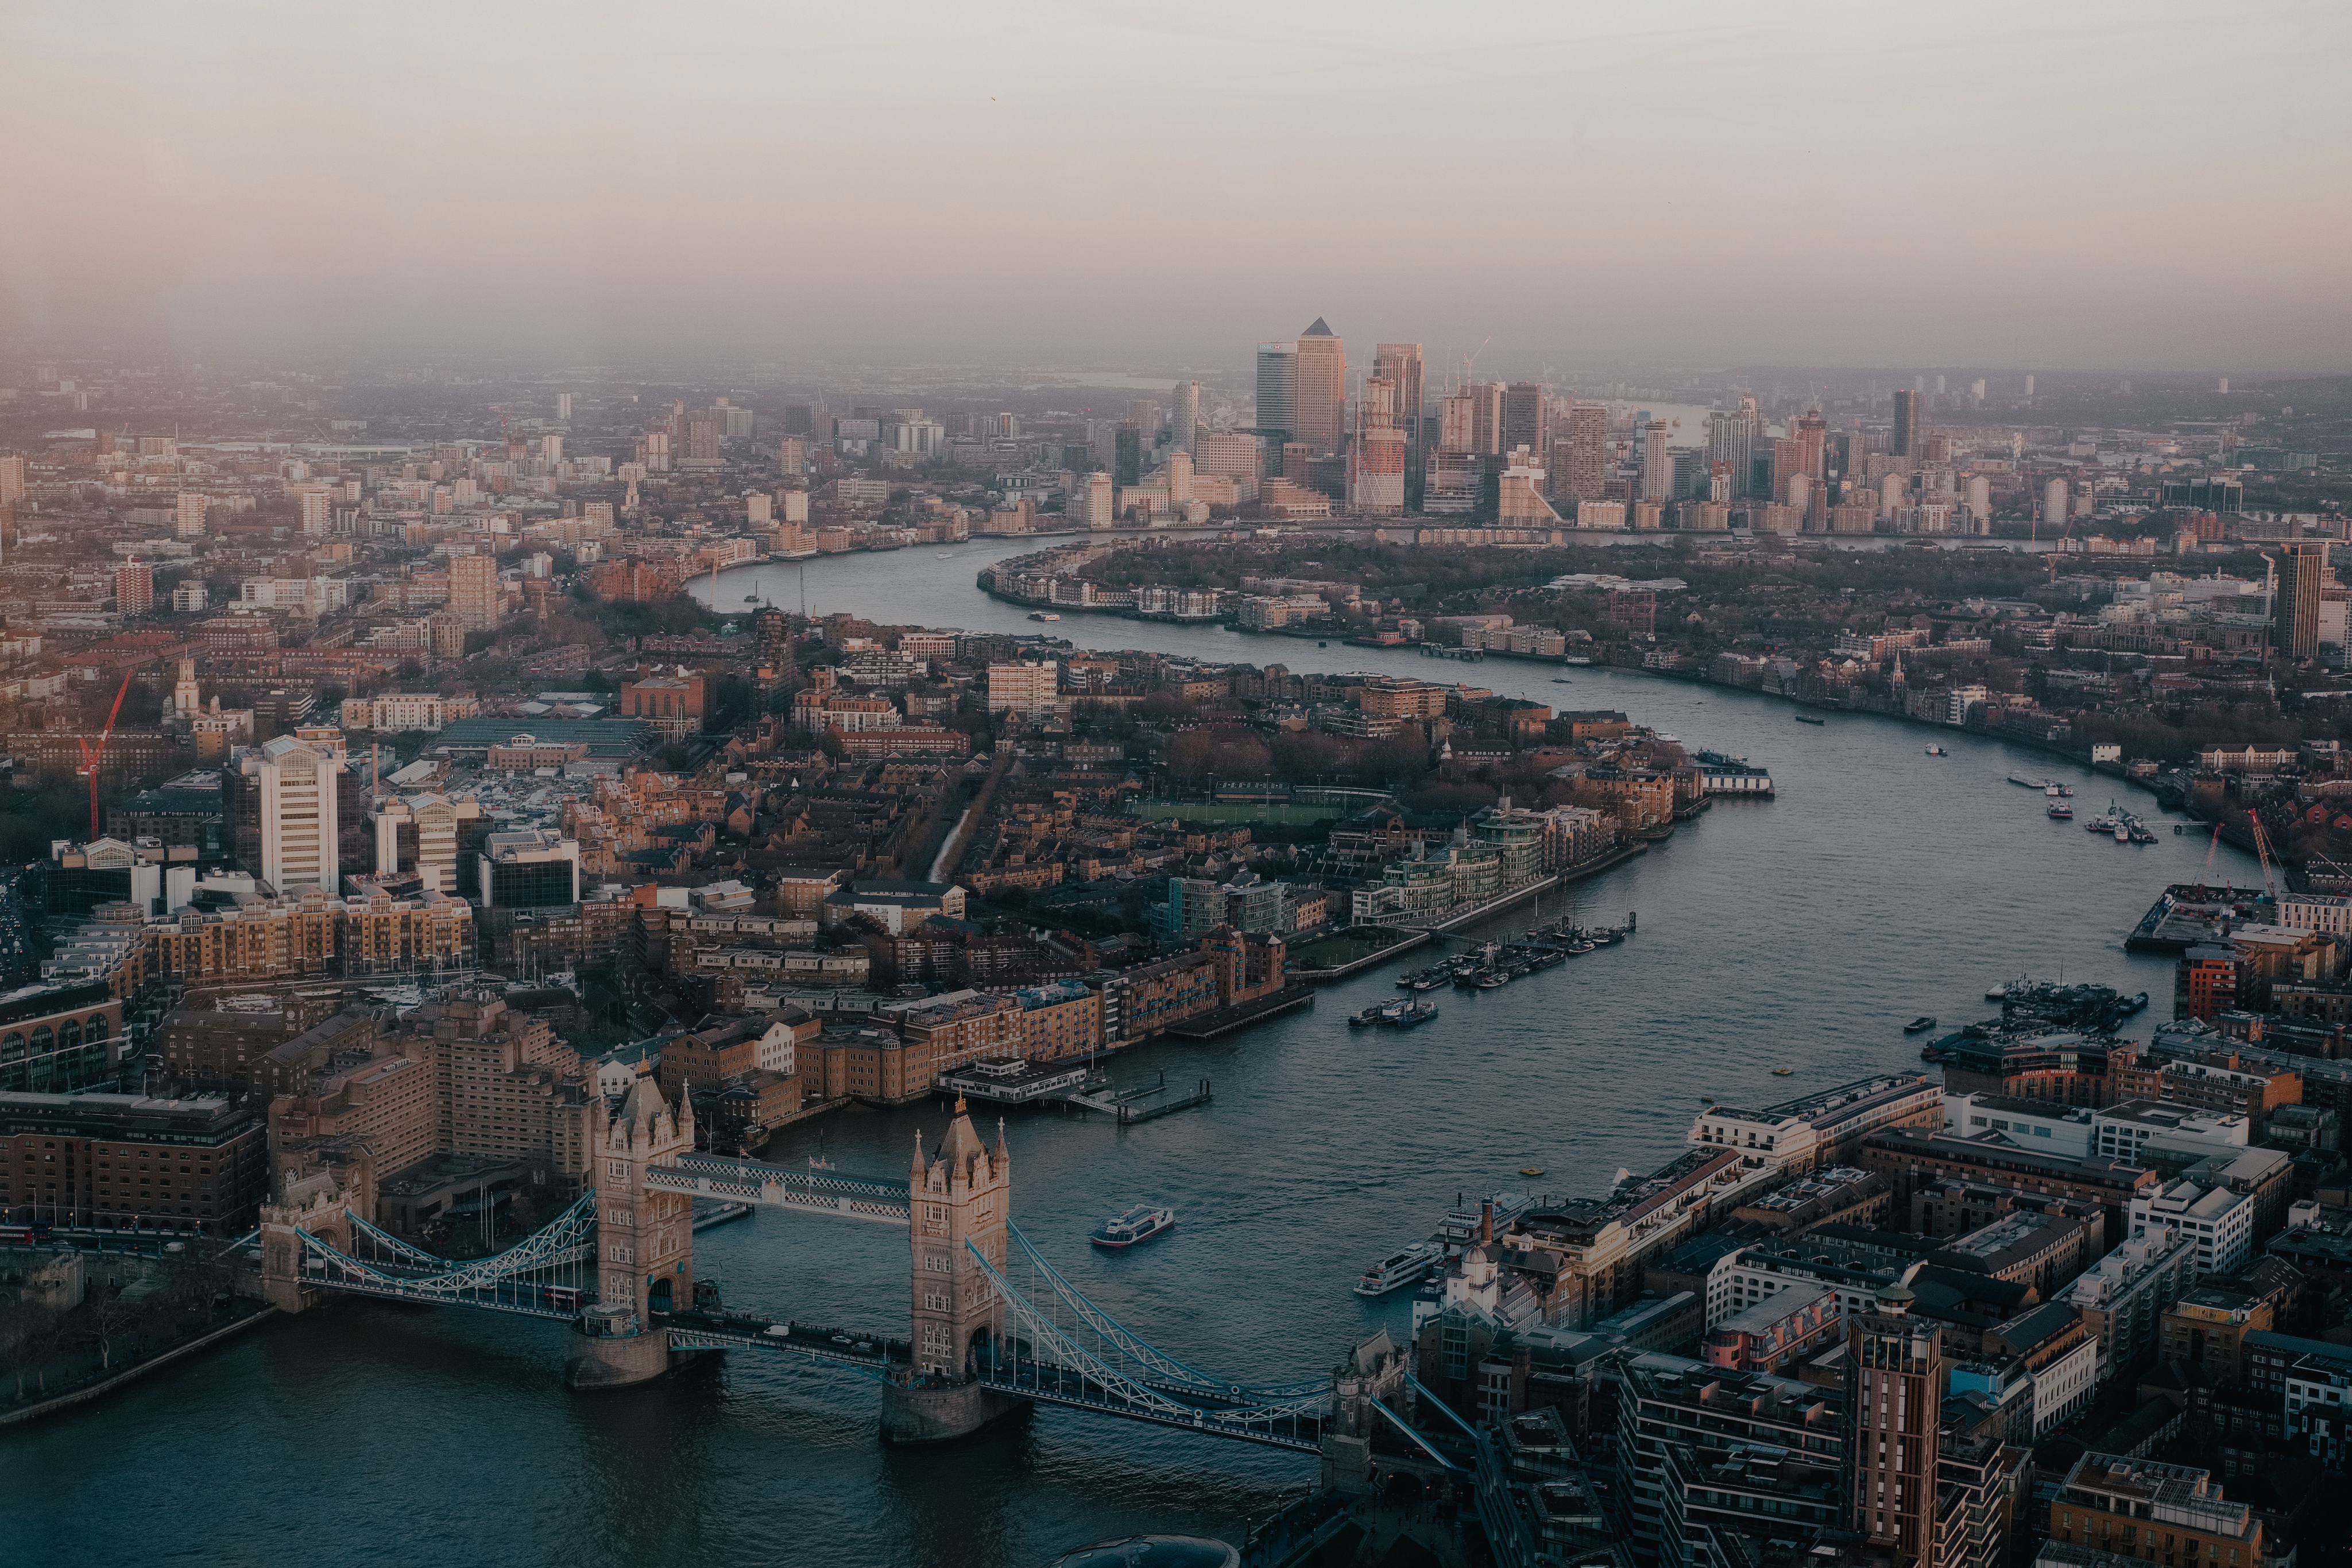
317, 1194
957, 1203
644, 1244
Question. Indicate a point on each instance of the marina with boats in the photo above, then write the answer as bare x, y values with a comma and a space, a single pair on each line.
1489, 966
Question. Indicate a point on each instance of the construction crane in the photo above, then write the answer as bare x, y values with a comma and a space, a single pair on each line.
2205, 877
2263, 849
91, 759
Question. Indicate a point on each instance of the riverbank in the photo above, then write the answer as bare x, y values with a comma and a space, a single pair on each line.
116, 1378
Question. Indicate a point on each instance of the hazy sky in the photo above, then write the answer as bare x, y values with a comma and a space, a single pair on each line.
2052, 185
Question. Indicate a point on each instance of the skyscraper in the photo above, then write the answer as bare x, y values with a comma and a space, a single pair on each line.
1730, 436
294, 786
134, 588
1453, 424
1320, 393
1527, 418
2295, 608
1184, 418
1400, 365
563, 407
1127, 454
1812, 435
474, 591
1485, 416
1277, 395
1657, 463
2053, 505
1579, 470
1895, 1395
1909, 429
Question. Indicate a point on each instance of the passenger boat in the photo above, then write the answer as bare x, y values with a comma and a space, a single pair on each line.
1461, 1226
1399, 1269
1809, 719
1919, 1025
2061, 813
1137, 1225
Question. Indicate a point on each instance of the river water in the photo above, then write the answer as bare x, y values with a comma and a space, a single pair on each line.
1801, 932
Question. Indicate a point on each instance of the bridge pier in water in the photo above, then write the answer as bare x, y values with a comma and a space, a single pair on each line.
957, 1206
645, 1246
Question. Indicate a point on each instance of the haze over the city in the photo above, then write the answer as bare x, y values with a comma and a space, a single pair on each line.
2152, 186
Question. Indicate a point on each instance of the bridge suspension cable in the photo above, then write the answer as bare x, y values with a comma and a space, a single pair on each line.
1095, 1363
549, 1274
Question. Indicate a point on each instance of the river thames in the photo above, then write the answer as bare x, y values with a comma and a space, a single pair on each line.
1800, 933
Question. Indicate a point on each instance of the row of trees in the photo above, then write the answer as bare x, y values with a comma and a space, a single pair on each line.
37, 1340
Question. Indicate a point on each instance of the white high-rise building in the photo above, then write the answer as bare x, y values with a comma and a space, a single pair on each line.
1092, 500
1183, 415
317, 509
563, 407
2054, 503
550, 450
188, 515
1657, 463
296, 785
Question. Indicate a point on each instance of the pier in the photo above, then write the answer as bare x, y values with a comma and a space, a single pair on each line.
1131, 1107
1014, 1082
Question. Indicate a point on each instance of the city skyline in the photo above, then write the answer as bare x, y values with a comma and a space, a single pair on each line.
1840, 188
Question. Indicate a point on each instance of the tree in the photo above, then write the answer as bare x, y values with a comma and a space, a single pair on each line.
107, 1316
1202, 754
833, 745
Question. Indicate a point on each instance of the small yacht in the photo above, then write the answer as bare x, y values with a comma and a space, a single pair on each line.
1399, 1269
1138, 1224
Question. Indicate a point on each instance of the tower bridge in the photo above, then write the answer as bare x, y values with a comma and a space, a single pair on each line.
993, 1325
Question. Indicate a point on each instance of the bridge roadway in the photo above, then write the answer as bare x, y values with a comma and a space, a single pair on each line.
869, 1354
519, 1298
781, 1186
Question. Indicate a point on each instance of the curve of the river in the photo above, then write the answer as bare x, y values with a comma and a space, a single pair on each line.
1798, 933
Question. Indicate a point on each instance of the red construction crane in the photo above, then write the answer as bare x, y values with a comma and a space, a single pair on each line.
91, 759
2263, 849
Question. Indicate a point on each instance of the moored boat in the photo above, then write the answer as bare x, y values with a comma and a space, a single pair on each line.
1133, 1227
1399, 1269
